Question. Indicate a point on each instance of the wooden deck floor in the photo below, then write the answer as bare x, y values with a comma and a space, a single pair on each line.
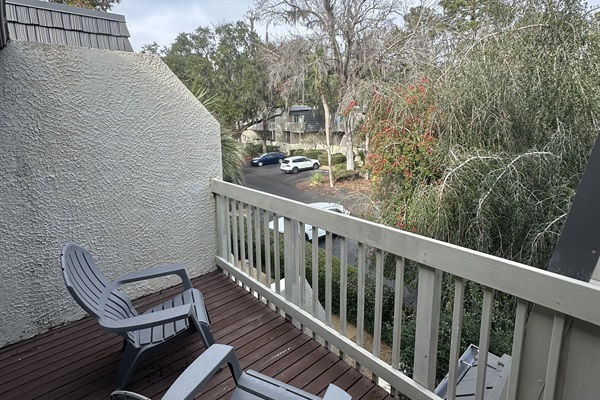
78, 361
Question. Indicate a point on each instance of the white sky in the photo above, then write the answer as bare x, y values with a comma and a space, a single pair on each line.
162, 20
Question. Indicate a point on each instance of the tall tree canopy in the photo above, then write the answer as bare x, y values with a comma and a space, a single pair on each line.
223, 61
101, 5
346, 32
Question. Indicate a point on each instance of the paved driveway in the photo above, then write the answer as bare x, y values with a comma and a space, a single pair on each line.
270, 179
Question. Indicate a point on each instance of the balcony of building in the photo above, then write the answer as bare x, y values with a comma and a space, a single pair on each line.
298, 329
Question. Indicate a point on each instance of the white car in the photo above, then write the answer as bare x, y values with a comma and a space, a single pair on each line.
298, 163
338, 208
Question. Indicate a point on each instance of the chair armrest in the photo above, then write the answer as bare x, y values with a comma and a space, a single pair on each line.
156, 272
147, 320
202, 370
335, 393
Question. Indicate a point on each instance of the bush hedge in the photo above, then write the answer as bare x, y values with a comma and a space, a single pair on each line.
297, 152
345, 175
313, 154
336, 158
255, 149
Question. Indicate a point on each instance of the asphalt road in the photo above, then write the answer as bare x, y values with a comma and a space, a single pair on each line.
270, 179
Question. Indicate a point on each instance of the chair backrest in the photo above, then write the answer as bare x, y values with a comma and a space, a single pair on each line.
90, 287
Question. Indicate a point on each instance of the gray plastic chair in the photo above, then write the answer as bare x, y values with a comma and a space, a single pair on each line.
177, 317
251, 385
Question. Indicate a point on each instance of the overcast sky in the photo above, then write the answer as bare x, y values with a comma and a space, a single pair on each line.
162, 20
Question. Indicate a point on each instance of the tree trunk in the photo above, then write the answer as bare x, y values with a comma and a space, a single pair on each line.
327, 137
265, 130
349, 127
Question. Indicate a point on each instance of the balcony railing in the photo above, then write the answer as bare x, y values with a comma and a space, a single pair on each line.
293, 126
246, 243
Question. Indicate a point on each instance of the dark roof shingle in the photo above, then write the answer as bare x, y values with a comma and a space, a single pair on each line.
43, 22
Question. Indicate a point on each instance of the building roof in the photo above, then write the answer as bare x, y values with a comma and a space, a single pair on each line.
498, 369
43, 22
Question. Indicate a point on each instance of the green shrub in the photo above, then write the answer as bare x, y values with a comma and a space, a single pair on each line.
337, 158
316, 179
345, 175
253, 150
313, 154
256, 149
297, 152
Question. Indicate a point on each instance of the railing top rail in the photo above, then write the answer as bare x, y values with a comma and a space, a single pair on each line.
569, 296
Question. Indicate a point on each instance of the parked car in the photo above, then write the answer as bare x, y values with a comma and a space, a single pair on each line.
273, 157
298, 163
308, 234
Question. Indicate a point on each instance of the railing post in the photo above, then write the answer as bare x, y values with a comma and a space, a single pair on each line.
428, 325
290, 260
222, 235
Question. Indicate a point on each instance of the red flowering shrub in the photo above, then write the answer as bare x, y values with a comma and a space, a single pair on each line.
402, 144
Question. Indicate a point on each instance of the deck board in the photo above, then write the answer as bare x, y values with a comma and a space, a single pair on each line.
79, 361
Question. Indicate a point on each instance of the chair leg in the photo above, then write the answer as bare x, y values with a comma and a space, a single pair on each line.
131, 356
201, 318
205, 332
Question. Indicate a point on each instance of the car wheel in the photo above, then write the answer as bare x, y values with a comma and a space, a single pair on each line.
315, 166
295, 170
260, 164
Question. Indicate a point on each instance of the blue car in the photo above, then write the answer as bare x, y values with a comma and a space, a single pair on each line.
268, 158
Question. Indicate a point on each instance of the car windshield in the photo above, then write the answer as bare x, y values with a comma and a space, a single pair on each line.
285, 161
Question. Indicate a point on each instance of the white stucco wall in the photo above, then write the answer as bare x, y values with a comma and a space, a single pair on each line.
107, 149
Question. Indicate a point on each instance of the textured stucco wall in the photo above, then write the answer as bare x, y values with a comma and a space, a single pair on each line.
107, 149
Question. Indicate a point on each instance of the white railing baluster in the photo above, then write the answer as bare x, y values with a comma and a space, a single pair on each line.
250, 228
277, 256
229, 238
221, 229
455, 335
234, 230
290, 256
517, 347
267, 243
484, 342
302, 261
428, 325
343, 286
360, 301
315, 272
379, 259
398, 307
328, 279
556, 340
258, 247
328, 275
241, 211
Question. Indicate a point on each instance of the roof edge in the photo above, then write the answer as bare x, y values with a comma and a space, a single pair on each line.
3, 25
44, 5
